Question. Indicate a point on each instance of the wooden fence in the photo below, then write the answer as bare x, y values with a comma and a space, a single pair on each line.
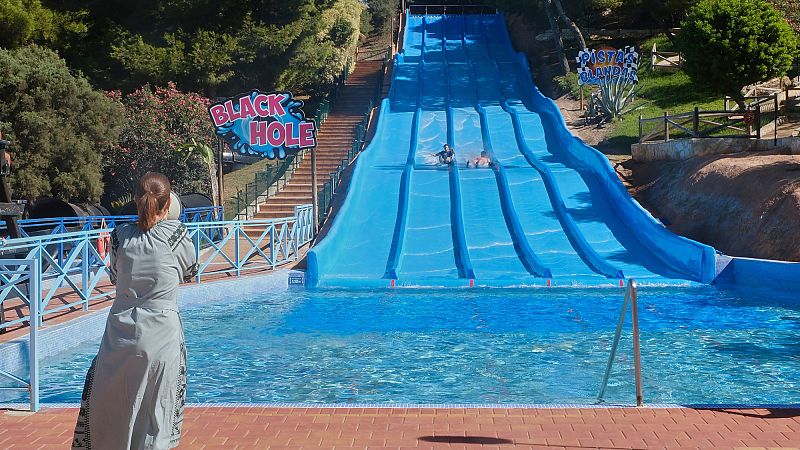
665, 60
712, 124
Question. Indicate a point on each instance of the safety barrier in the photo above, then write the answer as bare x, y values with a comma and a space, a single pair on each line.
44, 275
57, 225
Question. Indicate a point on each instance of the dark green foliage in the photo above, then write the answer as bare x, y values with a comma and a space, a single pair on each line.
341, 32
381, 12
24, 21
728, 44
317, 59
218, 48
59, 126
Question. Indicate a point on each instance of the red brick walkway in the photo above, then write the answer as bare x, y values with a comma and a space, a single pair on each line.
619, 428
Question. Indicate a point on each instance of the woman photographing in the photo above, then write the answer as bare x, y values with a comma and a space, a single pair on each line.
135, 389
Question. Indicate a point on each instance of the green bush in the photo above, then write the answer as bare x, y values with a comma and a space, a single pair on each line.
729, 44
59, 126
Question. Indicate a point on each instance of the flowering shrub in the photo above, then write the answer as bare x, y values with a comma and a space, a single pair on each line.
160, 120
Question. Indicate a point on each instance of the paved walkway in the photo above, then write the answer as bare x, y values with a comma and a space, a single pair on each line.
276, 428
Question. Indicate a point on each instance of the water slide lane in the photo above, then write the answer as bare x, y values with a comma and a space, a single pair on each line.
355, 250
594, 217
494, 253
428, 250
549, 224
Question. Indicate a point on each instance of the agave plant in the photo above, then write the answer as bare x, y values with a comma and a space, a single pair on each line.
117, 204
616, 97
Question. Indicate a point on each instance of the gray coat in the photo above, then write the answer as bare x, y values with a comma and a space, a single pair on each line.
135, 389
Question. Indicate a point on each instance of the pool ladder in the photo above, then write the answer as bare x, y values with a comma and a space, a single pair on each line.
630, 297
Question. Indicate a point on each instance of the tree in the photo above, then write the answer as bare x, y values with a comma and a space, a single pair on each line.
570, 23
318, 59
728, 44
24, 21
59, 126
557, 40
160, 121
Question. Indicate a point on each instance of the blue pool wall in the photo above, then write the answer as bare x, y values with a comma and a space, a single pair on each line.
758, 273
57, 338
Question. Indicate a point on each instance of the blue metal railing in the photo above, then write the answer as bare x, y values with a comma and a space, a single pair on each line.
56, 225
51, 273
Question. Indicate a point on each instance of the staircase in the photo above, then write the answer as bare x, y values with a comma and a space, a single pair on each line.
334, 139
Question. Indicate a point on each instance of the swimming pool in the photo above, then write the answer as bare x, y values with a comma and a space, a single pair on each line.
700, 345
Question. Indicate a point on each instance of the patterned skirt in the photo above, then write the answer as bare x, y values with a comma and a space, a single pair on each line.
135, 391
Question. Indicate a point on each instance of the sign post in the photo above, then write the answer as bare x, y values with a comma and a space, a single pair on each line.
221, 175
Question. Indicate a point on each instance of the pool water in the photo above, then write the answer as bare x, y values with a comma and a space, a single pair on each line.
699, 345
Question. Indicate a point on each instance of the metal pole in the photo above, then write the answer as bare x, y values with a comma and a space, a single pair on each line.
666, 126
220, 174
637, 360
314, 200
34, 295
615, 343
696, 124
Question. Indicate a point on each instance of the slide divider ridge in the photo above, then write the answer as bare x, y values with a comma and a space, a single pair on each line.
526, 255
588, 254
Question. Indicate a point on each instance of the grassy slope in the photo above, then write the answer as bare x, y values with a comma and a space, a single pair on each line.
657, 92
234, 181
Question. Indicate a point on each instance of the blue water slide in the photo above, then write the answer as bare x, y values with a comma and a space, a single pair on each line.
552, 206
645, 240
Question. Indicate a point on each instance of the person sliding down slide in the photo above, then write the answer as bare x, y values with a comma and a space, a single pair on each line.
480, 161
446, 156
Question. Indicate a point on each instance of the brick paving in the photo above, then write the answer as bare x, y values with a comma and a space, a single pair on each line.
328, 428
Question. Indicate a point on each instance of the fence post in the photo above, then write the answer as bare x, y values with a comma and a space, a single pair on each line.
237, 235
696, 124
85, 267
272, 252
34, 299
758, 121
197, 250
777, 107
666, 126
786, 100
640, 128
